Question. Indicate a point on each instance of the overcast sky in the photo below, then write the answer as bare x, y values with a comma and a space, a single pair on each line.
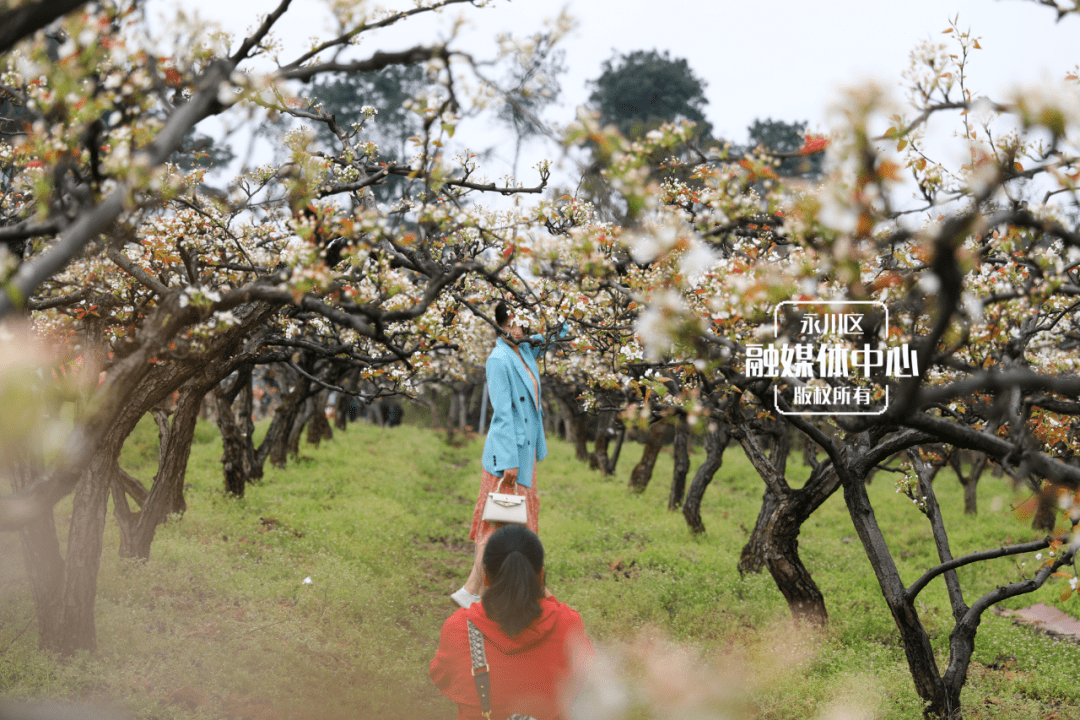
784, 59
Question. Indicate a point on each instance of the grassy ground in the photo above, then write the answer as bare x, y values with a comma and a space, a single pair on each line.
220, 624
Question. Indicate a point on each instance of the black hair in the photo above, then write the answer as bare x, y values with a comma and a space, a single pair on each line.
513, 560
502, 313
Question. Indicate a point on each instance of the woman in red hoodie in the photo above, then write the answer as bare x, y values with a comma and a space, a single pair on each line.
535, 646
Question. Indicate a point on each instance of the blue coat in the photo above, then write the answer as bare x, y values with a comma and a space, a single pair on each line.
516, 434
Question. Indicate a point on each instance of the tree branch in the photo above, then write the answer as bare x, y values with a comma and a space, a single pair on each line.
754, 452
926, 473
918, 585
1014, 379
137, 272
962, 436
378, 61
325, 384
24, 20
364, 27
257, 37
30, 229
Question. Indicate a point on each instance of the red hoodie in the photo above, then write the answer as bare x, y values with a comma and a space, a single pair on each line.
537, 672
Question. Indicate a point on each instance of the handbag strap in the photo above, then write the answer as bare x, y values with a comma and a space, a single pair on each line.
480, 669
480, 673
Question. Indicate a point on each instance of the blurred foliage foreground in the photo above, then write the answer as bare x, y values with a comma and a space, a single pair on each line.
223, 622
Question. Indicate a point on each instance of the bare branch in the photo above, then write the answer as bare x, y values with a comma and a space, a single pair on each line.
257, 37
59, 301
378, 61
918, 585
137, 272
754, 452
29, 229
365, 27
1018, 379
323, 383
1017, 588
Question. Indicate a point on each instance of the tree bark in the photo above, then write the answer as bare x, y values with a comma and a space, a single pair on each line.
22, 21
243, 462
451, 417
345, 400
433, 407
166, 495
716, 439
917, 648
681, 465
170, 444
969, 482
581, 440
64, 589
341, 411
621, 436
464, 402
971, 495
319, 426
804, 599
237, 457
599, 458
44, 563
75, 629
752, 558
642, 472
774, 542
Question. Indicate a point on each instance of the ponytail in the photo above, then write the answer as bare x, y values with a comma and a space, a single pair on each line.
513, 560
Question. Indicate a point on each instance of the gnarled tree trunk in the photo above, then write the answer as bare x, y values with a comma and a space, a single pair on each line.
681, 464
319, 426
166, 494
642, 472
44, 563
752, 558
775, 540
716, 440
620, 436
599, 458
236, 427
969, 482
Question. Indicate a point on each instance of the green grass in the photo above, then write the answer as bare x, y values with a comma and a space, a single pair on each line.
219, 623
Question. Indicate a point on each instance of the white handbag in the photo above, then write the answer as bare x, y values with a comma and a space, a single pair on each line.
505, 508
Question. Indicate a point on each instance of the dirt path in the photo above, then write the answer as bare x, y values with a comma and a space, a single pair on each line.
1047, 619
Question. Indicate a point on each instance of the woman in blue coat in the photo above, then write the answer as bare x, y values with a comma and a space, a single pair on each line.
515, 441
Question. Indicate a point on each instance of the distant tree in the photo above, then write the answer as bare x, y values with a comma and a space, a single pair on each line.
346, 95
783, 137
533, 83
639, 91
200, 151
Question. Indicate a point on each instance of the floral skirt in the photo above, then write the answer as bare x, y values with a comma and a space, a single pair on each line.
481, 530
